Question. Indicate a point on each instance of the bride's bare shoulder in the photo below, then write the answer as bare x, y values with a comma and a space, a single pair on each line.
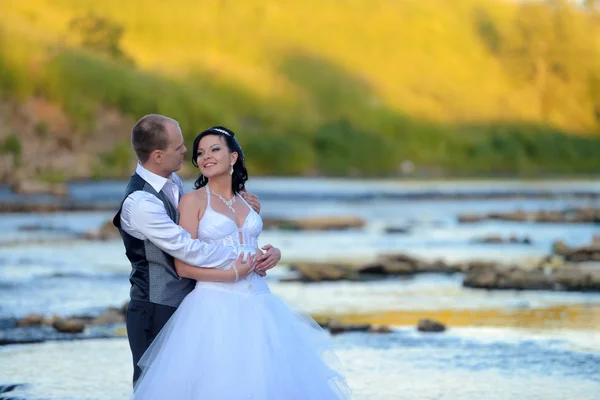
195, 199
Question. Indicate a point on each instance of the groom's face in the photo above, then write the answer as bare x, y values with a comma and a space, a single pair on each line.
172, 157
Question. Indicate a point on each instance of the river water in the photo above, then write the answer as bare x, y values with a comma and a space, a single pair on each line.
499, 345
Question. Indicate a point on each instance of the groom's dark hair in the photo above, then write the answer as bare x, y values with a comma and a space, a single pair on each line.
149, 134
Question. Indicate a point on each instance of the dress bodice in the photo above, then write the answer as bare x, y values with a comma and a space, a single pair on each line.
217, 228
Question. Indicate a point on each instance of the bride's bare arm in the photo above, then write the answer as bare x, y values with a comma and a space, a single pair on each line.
191, 209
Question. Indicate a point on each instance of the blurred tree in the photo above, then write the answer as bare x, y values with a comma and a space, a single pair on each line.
116, 162
595, 94
551, 47
99, 34
488, 31
593, 7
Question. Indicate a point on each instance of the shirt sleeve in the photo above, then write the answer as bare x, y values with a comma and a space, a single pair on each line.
149, 217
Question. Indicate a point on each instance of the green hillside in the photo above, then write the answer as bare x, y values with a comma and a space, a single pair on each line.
468, 87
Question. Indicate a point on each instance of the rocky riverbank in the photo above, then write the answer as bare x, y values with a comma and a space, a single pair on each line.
565, 270
385, 265
590, 252
568, 278
560, 270
341, 223
37, 328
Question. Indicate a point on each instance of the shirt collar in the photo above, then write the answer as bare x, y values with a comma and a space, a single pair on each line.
156, 181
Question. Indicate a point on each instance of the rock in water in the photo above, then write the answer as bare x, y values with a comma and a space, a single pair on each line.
31, 320
68, 325
336, 327
429, 325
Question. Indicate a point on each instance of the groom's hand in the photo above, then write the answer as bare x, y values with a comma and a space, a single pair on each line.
268, 260
252, 199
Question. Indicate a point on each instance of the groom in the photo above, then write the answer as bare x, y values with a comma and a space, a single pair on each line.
147, 221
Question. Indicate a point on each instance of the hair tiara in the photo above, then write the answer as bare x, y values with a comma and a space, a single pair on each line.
223, 131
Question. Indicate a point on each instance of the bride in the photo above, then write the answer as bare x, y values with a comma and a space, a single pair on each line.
231, 338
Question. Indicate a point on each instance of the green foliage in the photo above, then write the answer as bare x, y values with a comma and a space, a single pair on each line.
17, 53
51, 176
278, 155
488, 30
99, 34
12, 145
530, 149
115, 163
344, 150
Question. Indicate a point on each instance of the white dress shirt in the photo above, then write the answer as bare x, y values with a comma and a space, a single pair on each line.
144, 216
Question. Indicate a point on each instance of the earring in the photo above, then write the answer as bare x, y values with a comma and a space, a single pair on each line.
231, 171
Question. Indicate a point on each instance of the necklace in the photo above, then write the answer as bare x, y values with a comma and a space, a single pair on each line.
228, 203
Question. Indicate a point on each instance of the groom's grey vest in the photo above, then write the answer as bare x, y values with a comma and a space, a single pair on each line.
153, 277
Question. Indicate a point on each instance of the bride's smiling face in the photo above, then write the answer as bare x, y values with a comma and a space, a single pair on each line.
214, 157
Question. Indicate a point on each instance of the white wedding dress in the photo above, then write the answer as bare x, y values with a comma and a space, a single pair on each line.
238, 341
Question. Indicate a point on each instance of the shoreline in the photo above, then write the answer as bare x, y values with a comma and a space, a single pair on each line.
574, 178
106, 195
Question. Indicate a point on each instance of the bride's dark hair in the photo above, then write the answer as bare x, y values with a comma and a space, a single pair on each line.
240, 174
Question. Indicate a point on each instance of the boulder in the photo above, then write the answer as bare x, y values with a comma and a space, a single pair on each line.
31, 320
429, 325
337, 327
590, 252
336, 223
380, 329
584, 253
398, 268
519, 216
391, 264
71, 325
317, 272
106, 232
481, 276
470, 218
110, 316
570, 278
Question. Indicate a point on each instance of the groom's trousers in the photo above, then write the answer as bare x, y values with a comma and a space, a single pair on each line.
144, 320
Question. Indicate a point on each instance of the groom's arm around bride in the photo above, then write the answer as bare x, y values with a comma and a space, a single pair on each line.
147, 221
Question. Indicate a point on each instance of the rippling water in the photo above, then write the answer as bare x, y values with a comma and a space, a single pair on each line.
463, 364
500, 344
